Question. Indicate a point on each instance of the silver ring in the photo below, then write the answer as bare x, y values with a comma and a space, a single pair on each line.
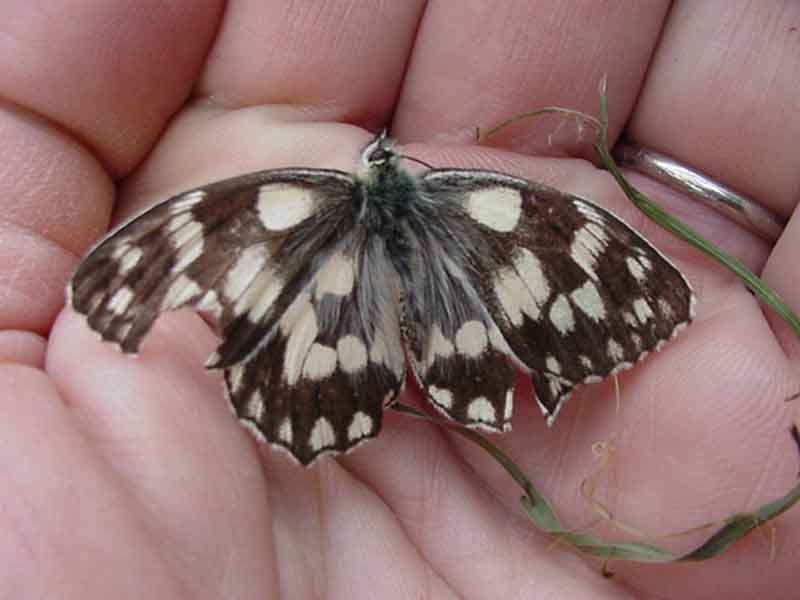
735, 206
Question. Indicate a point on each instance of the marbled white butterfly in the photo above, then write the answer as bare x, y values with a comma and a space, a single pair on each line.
327, 287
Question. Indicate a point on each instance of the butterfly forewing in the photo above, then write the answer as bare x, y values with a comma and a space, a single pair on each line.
203, 248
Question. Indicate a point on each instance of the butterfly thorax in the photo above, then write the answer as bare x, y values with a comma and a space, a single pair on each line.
389, 211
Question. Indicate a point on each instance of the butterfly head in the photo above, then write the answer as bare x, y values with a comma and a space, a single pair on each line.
379, 152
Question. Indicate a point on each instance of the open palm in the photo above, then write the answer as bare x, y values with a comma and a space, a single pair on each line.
129, 478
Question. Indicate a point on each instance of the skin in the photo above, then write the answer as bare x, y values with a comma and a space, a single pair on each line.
128, 477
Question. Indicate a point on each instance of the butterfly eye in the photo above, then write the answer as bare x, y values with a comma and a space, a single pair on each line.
380, 156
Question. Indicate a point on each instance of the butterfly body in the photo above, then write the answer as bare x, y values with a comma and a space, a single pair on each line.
323, 283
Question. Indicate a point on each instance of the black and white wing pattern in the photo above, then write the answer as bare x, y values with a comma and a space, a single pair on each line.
322, 283
576, 294
308, 360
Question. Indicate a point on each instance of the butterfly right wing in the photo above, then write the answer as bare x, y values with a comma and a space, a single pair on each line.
575, 292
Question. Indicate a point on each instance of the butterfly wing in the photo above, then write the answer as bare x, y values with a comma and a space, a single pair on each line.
576, 294
462, 372
457, 352
265, 255
210, 248
323, 369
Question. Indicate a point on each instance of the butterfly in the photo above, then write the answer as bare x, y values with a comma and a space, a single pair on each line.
328, 287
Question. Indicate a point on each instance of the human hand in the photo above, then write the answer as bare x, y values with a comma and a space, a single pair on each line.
129, 477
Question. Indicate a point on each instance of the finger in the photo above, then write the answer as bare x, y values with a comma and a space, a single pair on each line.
709, 102
55, 201
780, 272
160, 422
722, 81
335, 62
339, 61
67, 122
58, 496
122, 67
718, 94
469, 538
22, 347
479, 63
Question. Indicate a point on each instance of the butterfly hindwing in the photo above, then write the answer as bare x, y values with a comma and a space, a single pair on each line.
457, 353
576, 293
319, 381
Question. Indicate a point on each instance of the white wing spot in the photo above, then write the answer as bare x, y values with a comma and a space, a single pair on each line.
642, 310
443, 398
186, 201
438, 345
514, 297
250, 262
186, 231
260, 296
480, 409
352, 354
561, 315
553, 365
629, 319
255, 406
508, 409
299, 324
665, 309
322, 435
210, 303
587, 245
281, 206
590, 212
472, 338
556, 387
615, 351
378, 353
285, 431
361, 426
120, 301
336, 276
497, 340
586, 362
588, 299
530, 271
320, 362
178, 221
187, 255
235, 374
635, 268
498, 208
128, 257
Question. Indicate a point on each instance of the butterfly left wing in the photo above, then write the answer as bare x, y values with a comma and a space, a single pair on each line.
265, 255
212, 248
322, 370
575, 292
